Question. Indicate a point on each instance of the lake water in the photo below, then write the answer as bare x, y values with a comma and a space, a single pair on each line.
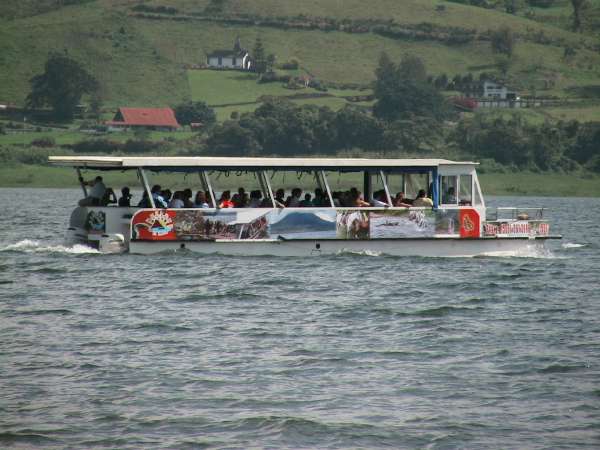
353, 351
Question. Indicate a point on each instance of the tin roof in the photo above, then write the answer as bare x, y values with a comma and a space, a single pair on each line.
157, 117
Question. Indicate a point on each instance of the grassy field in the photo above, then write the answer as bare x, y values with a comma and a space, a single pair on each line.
516, 183
141, 62
71, 136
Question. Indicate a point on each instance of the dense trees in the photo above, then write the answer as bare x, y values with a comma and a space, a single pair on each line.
402, 91
61, 86
191, 112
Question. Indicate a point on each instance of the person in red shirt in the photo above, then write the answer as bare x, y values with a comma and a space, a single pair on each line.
225, 200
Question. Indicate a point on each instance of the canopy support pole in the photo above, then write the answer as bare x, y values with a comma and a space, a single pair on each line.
142, 176
322, 173
208, 187
269, 191
435, 187
367, 186
80, 178
385, 186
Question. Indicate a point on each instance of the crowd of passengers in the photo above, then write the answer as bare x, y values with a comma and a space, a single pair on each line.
100, 195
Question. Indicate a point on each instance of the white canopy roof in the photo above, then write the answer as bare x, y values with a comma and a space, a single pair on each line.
225, 163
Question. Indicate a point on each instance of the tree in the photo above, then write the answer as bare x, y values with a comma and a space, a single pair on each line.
403, 93
193, 112
503, 41
412, 68
61, 86
270, 62
578, 6
385, 76
260, 60
231, 139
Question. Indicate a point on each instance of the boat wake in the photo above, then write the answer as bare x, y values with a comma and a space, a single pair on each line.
568, 245
527, 252
31, 246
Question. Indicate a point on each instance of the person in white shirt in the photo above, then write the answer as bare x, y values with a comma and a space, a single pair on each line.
200, 200
379, 199
177, 201
95, 194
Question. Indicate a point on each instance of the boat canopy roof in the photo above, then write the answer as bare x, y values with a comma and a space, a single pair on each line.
194, 163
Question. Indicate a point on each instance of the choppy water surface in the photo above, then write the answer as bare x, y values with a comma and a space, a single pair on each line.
188, 351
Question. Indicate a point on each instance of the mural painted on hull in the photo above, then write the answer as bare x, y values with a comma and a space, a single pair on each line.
294, 224
518, 228
263, 223
352, 224
402, 224
95, 222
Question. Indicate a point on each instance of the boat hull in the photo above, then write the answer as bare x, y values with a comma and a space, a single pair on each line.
395, 247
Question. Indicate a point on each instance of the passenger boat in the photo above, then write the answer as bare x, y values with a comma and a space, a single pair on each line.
453, 223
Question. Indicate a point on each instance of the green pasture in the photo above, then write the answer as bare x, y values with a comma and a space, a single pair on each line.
142, 62
222, 87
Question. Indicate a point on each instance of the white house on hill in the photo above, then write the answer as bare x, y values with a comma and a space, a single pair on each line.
499, 91
237, 58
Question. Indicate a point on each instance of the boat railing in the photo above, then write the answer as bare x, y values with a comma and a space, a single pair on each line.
515, 213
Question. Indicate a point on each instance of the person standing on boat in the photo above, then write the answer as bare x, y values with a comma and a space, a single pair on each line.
96, 194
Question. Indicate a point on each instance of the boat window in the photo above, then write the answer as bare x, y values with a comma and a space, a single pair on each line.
448, 189
414, 183
239, 189
465, 196
298, 188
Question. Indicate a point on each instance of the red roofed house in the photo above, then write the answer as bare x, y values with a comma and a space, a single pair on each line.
151, 118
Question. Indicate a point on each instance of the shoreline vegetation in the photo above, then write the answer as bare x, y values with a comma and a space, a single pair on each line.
518, 183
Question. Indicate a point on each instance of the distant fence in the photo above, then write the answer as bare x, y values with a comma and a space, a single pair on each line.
523, 103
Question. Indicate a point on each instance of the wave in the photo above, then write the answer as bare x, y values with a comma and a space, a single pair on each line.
568, 245
32, 246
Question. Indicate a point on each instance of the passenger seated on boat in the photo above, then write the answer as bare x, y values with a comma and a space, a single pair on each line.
159, 201
225, 200
422, 200
187, 198
336, 196
125, 199
293, 201
108, 197
401, 202
96, 194
237, 203
255, 199
280, 198
145, 201
307, 202
358, 200
177, 200
450, 196
200, 200
379, 198
166, 194
243, 198
320, 199
208, 198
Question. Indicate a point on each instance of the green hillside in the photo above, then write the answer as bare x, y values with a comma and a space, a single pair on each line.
141, 58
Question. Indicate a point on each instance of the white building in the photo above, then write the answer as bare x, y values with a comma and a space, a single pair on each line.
498, 91
237, 58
